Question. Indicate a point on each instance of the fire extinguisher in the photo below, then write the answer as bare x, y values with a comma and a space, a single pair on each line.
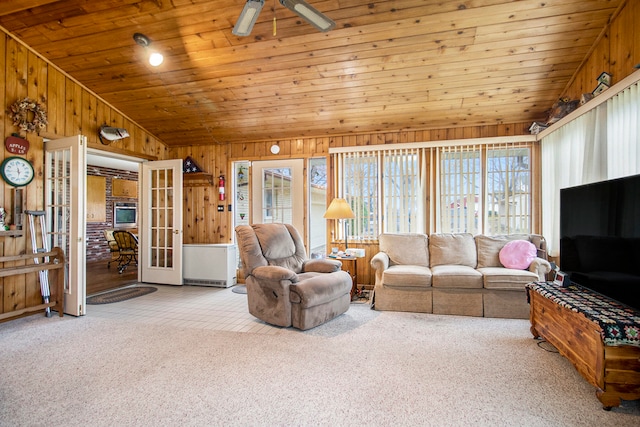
221, 187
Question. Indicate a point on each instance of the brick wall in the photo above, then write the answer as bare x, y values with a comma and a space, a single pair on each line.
97, 248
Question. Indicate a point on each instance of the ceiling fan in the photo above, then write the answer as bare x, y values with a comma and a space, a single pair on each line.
252, 9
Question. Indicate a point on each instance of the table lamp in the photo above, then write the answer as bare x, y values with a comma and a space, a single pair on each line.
340, 209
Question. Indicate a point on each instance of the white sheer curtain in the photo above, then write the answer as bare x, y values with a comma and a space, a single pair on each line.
623, 118
572, 155
603, 143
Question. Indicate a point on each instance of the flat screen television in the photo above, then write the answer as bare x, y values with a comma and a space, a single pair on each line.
600, 237
125, 215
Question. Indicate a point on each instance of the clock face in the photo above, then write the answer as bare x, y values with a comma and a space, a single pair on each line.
17, 171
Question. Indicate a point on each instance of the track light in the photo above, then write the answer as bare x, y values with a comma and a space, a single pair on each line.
155, 58
248, 17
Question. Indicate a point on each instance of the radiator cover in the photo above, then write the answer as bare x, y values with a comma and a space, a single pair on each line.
209, 265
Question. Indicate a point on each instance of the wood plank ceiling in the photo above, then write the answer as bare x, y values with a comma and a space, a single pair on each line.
387, 66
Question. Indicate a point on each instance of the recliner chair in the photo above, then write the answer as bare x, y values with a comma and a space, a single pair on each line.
284, 287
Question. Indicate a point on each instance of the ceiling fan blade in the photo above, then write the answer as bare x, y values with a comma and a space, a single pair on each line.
309, 14
248, 17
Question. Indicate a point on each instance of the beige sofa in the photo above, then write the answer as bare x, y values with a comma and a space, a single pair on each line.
458, 274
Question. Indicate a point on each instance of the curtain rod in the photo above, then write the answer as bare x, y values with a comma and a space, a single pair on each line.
435, 144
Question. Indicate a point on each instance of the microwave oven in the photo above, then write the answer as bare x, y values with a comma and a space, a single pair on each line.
125, 215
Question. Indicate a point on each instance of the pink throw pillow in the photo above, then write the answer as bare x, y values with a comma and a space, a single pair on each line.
518, 254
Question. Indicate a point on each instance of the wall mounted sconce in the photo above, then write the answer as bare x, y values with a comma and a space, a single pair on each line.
155, 58
275, 149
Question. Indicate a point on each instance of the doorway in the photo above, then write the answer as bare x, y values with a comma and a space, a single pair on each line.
104, 172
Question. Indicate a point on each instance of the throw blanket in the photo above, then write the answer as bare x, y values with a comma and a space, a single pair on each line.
619, 323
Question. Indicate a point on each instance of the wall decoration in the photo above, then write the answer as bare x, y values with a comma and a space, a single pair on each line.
604, 78
190, 166
108, 134
561, 108
16, 145
17, 171
28, 115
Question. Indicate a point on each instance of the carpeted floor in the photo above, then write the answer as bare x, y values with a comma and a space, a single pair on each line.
364, 368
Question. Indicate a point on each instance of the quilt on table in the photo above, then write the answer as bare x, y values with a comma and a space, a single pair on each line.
619, 324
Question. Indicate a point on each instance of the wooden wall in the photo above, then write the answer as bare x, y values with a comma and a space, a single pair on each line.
71, 110
616, 52
204, 224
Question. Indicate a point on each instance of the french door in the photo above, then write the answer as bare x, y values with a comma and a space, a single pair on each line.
160, 228
65, 170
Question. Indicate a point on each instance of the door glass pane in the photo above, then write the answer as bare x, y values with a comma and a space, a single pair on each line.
317, 197
161, 232
59, 204
241, 216
277, 201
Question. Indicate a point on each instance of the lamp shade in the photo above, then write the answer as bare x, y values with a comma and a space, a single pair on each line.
339, 209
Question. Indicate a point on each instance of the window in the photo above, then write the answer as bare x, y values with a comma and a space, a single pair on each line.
268, 203
508, 195
392, 204
485, 189
460, 190
360, 189
481, 188
317, 197
402, 195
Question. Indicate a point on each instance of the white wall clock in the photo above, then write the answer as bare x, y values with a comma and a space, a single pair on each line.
17, 171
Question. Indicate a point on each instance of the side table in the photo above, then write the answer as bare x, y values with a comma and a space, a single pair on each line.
350, 265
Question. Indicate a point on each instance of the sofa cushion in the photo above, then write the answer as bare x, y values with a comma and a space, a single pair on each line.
405, 248
456, 276
506, 278
407, 276
453, 249
518, 254
489, 248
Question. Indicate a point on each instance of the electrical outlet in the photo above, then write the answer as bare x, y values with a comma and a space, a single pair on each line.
220, 208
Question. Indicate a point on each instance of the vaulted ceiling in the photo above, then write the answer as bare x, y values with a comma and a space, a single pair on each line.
387, 65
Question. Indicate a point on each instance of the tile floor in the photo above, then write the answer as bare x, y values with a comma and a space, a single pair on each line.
188, 306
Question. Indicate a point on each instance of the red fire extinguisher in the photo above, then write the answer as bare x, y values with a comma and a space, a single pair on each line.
221, 187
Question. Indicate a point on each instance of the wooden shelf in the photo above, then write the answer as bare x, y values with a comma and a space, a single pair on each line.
12, 233
197, 179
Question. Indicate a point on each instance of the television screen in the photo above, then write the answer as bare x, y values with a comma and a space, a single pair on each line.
600, 237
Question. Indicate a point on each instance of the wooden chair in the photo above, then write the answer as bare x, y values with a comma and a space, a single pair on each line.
127, 247
113, 247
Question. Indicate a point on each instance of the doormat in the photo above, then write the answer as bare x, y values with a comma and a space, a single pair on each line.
120, 295
239, 289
